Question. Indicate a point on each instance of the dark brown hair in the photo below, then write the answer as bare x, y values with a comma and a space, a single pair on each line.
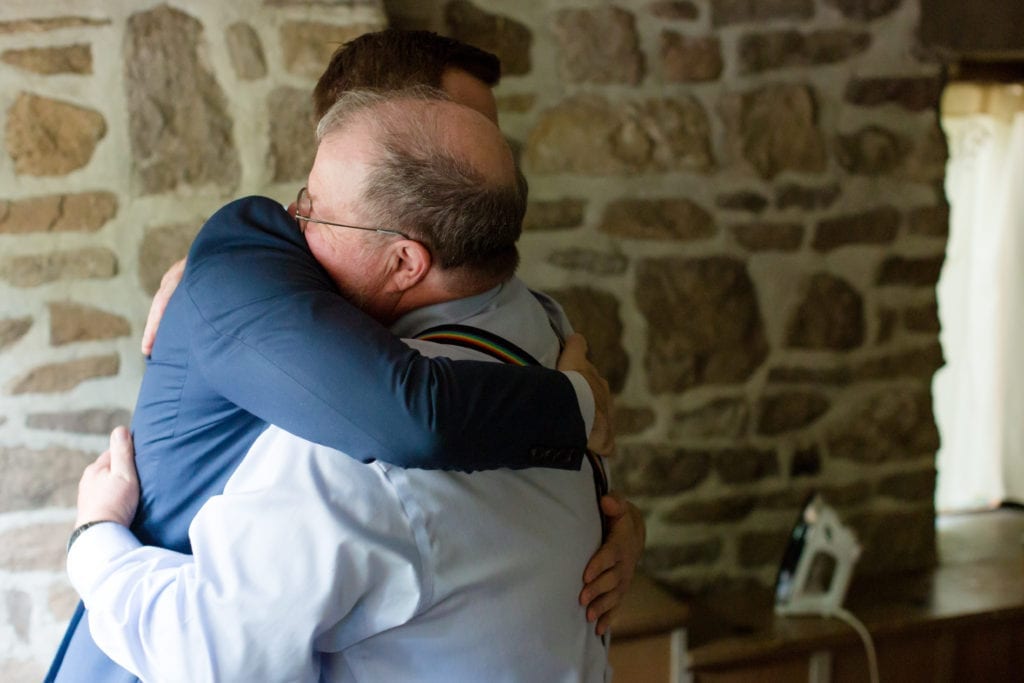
392, 59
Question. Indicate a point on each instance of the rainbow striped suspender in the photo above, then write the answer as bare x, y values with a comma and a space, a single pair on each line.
505, 351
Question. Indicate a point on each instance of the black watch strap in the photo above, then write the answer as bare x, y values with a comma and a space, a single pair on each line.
78, 531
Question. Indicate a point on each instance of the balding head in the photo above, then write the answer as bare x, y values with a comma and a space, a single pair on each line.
439, 172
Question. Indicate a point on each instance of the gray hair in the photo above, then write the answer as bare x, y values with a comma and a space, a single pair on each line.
431, 194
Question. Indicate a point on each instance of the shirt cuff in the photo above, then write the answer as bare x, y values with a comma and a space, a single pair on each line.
93, 551
584, 396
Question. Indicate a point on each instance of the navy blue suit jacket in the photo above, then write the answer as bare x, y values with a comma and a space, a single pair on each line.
257, 334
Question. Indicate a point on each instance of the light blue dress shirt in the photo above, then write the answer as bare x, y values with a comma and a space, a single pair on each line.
314, 567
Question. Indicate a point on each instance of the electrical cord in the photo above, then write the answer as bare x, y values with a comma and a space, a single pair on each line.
857, 625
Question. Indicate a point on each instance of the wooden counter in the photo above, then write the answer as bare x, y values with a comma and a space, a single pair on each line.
963, 621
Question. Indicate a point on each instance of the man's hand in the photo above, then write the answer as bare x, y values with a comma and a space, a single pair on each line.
109, 488
168, 283
574, 357
610, 571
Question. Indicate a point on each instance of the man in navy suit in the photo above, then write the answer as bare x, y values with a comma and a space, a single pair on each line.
246, 342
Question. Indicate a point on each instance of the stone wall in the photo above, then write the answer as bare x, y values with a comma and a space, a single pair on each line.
738, 201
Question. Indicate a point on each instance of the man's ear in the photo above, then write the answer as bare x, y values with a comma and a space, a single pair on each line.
409, 262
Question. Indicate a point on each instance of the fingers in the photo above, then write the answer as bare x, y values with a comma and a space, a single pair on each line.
122, 455
605, 622
605, 603
606, 582
613, 505
168, 283
604, 559
102, 462
574, 357
574, 354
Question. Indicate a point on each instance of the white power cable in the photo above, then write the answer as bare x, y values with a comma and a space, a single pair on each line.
865, 636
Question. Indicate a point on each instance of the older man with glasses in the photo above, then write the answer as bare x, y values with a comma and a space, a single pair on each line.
314, 566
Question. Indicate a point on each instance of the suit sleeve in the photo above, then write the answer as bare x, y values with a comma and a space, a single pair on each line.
270, 333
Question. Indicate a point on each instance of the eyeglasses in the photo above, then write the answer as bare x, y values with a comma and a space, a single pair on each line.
304, 207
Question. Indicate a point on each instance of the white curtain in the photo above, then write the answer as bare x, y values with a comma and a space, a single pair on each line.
979, 394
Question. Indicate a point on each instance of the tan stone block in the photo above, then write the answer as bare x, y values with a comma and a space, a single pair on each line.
743, 200
864, 10
246, 51
674, 9
50, 137
923, 318
71, 322
875, 226
918, 362
929, 221
790, 411
765, 236
830, 316
704, 322
745, 465
926, 161
35, 214
671, 219
836, 376
630, 420
916, 93
591, 261
84, 212
759, 52
871, 150
776, 127
68, 59
39, 547
518, 103
179, 127
910, 486
64, 376
910, 272
308, 45
292, 133
13, 329
891, 425
161, 247
554, 215
589, 135
807, 198
686, 59
723, 418
43, 24
499, 34
38, 478
595, 314
599, 45
730, 508
658, 469
725, 12
90, 421
87, 263
665, 557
